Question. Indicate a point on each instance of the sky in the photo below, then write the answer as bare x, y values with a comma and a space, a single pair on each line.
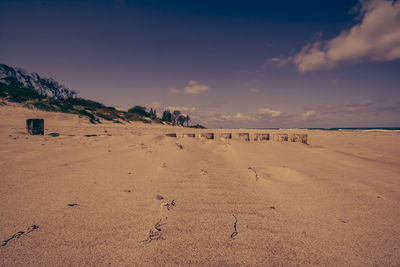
232, 64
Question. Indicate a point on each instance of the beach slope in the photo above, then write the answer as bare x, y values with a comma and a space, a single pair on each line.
111, 194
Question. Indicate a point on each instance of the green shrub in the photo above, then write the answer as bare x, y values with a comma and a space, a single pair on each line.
91, 117
67, 108
17, 94
46, 106
197, 126
105, 116
138, 110
85, 103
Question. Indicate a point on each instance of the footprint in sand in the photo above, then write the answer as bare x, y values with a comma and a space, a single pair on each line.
19, 234
235, 232
169, 205
155, 233
255, 173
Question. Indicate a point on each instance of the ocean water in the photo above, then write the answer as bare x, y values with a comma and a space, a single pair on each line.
338, 129
355, 129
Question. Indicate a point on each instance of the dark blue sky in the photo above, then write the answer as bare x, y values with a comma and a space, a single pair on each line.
226, 63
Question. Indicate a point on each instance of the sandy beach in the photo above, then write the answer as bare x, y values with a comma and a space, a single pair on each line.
128, 195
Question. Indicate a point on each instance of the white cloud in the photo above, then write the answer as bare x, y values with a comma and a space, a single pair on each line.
154, 104
262, 114
240, 116
254, 90
269, 112
310, 115
375, 38
235, 117
311, 57
281, 62
182, 109
194, 88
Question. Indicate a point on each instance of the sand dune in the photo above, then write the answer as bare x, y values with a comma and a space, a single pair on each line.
129, 195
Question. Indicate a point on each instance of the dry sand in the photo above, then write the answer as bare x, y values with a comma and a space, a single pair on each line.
147, 199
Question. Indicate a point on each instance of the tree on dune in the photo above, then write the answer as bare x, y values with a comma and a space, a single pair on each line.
138, 110
187, 120
181, 119
175, 117
166, 116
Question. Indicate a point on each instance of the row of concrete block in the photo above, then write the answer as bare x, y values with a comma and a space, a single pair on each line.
281, 137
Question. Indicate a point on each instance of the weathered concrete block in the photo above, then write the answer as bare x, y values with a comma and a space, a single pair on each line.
244, 136
280, 137
171, 135
35, 126
226, 135
207, 135
190, 135
300, 138
261, 137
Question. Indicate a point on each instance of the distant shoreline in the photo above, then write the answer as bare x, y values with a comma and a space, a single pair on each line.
331, 129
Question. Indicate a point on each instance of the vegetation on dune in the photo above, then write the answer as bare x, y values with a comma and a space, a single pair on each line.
176, 118
153, 114
34, 91
18, 94
138, 110
197, 126
166, 116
